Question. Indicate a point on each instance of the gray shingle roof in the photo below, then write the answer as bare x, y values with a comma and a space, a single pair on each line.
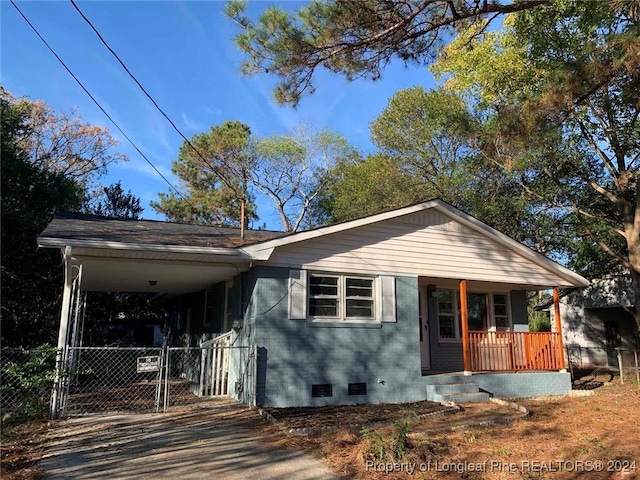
80, 226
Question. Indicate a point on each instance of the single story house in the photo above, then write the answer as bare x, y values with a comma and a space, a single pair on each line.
414, 303
596, 320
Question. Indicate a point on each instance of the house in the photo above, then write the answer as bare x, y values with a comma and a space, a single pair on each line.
419, 302
597, 320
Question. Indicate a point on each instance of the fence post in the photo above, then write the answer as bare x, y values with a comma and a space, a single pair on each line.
620, 366
635, 357
166, 380
569, 362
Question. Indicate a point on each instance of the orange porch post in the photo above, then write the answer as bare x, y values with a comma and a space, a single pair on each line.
556, 312
464, 316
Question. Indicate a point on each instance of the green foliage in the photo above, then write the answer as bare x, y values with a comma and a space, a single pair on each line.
356, 38
30, 194
27, 380
402, 431
294, 171
115, 203
559, 93
538, 321
391, 448
375, 448
360, 188
290, 169
215, 186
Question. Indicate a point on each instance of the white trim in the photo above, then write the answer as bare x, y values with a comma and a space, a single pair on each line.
342, 299
47, 242
492, 311
491, 319
454, 315
263, 250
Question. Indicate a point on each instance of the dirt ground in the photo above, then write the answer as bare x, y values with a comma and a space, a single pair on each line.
560, 433
22, 447
317, 417
550, 443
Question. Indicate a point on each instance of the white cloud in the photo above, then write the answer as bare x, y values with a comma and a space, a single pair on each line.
191, 124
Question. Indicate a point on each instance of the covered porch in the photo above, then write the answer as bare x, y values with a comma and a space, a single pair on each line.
482, 327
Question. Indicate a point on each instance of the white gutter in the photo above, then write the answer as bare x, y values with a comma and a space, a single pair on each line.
49, 242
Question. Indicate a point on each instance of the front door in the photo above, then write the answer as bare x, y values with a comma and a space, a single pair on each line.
424, 328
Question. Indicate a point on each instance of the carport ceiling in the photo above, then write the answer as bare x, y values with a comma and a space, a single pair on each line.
136, 276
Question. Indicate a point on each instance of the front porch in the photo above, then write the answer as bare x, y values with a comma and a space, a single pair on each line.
483, 328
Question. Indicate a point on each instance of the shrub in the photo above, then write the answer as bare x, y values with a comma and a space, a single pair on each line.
393, 447
27, 378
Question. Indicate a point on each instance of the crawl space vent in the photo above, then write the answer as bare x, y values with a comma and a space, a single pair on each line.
322, 390
357, 389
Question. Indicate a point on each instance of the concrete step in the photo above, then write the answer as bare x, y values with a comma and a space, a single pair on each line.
453, 388
465, 397
448, 378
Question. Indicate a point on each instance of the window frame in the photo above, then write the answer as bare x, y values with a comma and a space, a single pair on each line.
342, 298
453, 315
491, 316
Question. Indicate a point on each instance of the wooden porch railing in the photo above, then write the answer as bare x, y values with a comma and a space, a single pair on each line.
515, 351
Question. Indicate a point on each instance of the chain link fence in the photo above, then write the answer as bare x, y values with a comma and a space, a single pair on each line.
592, 366
122, 379
111, 379
26, 380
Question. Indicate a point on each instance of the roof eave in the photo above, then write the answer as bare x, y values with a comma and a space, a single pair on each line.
54, 242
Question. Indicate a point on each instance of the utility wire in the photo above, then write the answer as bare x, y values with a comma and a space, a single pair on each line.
155, 104
98, 104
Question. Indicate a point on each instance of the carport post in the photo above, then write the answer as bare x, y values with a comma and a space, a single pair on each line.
63, 332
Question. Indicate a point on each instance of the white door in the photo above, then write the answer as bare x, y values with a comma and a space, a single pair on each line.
424, 328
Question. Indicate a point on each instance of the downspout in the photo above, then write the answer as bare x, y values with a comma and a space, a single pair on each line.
63, 332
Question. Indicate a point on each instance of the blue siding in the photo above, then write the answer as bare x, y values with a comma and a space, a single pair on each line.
524, 384
294, 355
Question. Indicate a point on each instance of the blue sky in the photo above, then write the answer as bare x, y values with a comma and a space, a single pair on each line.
183, 53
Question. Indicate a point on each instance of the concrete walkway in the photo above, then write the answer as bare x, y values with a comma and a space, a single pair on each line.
218, 442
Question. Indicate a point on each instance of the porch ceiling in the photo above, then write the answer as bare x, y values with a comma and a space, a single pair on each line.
480, 286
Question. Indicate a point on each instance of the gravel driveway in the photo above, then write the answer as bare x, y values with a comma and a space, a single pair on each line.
220, 441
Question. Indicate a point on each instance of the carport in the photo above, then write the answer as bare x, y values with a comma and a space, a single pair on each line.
105, 255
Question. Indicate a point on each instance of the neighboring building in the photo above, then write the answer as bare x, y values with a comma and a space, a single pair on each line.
598, 319
363, 311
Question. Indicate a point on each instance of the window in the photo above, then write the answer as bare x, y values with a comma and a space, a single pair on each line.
501, 311
359, 297
446, 315
612, 333
482, 315
324, 298
341, 297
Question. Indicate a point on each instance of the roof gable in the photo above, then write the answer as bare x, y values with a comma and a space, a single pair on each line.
429, 239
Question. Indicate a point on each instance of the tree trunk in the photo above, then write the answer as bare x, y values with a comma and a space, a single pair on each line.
633, 244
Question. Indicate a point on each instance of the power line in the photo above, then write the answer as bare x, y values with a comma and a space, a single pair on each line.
98, 104
155, 104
